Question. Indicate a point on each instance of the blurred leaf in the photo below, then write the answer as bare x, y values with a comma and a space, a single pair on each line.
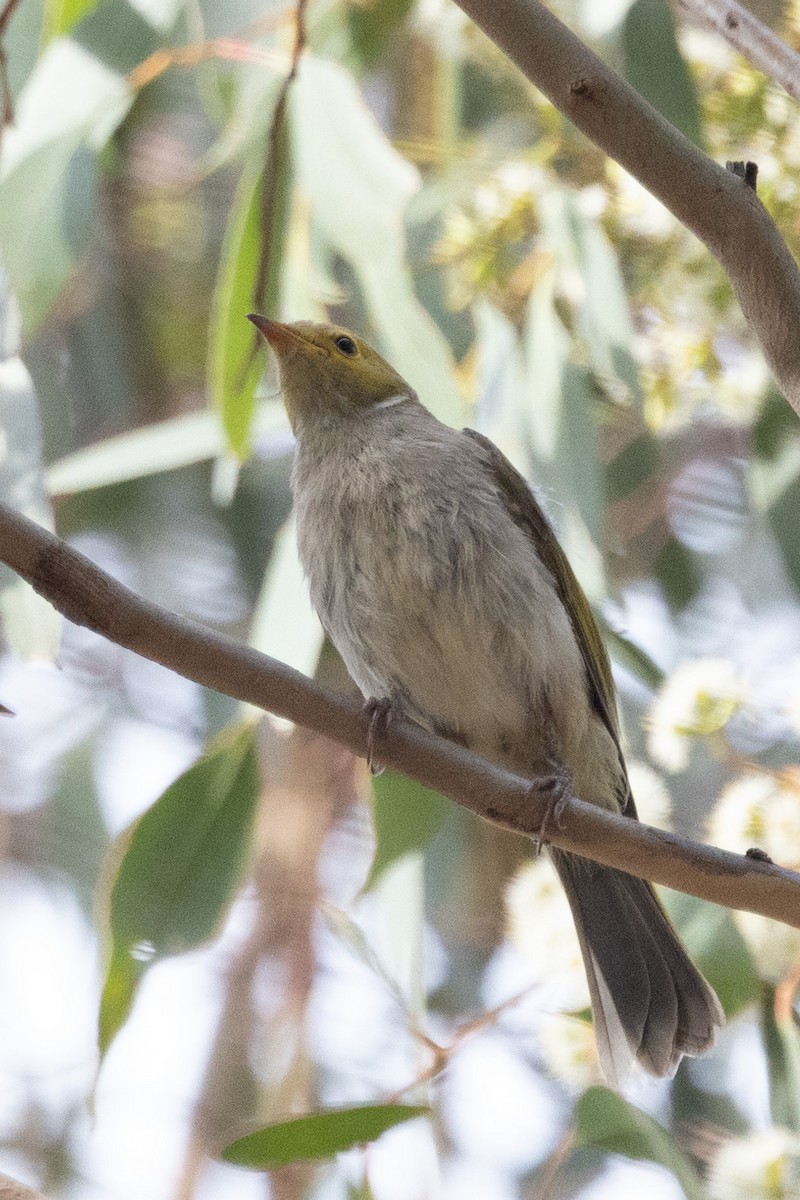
61, 15
68, 109
604, 318
285, 625
546, 350
407, 817
76, 831
655, 67
718, 949
374, 25
320, 1135
183, 860
165, 446
32, 627
359, 187
678, 573
234, 370
122, 980
782, 516
776, 424
606, 1122
782, 1042
578, 459
342, 925
630, 656
500, 380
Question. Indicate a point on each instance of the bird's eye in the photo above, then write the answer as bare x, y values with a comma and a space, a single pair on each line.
346, 345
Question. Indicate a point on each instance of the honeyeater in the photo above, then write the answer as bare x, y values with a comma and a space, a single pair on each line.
439, 580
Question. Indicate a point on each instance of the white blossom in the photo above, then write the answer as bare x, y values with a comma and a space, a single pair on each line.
697, 700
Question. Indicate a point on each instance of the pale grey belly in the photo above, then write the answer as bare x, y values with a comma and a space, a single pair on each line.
483, 660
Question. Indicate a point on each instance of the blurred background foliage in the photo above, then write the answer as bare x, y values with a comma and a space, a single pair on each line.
246, 926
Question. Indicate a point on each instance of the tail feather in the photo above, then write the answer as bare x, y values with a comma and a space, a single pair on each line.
649, 1001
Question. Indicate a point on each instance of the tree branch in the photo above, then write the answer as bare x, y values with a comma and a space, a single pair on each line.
713, 203
753, 39
88, 596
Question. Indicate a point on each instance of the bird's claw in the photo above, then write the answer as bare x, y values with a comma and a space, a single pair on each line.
556, 790
380, 716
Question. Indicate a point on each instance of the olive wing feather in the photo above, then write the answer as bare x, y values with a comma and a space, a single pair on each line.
528, 515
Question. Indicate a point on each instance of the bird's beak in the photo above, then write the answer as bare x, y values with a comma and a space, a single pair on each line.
279, 336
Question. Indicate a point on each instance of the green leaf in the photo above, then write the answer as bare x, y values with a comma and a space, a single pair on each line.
359, 188
546, 351
782, 1041
655, 67
718, 949
320, 1135
604, 319
372, 27
165, 446
68, 109
606, 1122
233, 370
407, 817
630, 656
119, 992
181, 866
285, 625
342, 925
578, 461
61, 15
500, 378
678, 573
782, 517
32, 627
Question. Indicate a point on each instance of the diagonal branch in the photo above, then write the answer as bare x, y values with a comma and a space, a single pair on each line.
88, 596
753, 39
713, 203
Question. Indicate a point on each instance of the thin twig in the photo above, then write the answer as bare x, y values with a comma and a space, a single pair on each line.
6, 98
272, 172
229, 49
754, 40
88, 596
729, 218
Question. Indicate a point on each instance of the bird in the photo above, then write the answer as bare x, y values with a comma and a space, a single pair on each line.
440, 581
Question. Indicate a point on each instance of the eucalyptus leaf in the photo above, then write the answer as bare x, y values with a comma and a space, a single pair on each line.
606, 1122
654, 65
407, 817
359, 188
546, 351
718, 949
68, 109
782, 1042
31, 626
165, 446
285, 625
181, 865
319, 1135
61, 15
234, 370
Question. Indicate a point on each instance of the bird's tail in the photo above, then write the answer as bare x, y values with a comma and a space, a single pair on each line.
649, 1001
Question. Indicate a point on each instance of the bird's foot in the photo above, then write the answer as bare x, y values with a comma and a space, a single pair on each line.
556, 791
380, 714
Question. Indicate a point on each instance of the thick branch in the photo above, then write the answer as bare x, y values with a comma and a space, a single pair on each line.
715, 204
88, 596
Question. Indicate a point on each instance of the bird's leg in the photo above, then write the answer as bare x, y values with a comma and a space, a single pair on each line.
556, 790
380, 716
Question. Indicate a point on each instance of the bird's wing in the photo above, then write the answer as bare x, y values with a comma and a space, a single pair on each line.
527, 514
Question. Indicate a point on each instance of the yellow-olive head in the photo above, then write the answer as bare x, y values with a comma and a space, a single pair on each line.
324, 368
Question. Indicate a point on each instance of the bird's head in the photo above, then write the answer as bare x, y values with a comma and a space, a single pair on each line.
327, 369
